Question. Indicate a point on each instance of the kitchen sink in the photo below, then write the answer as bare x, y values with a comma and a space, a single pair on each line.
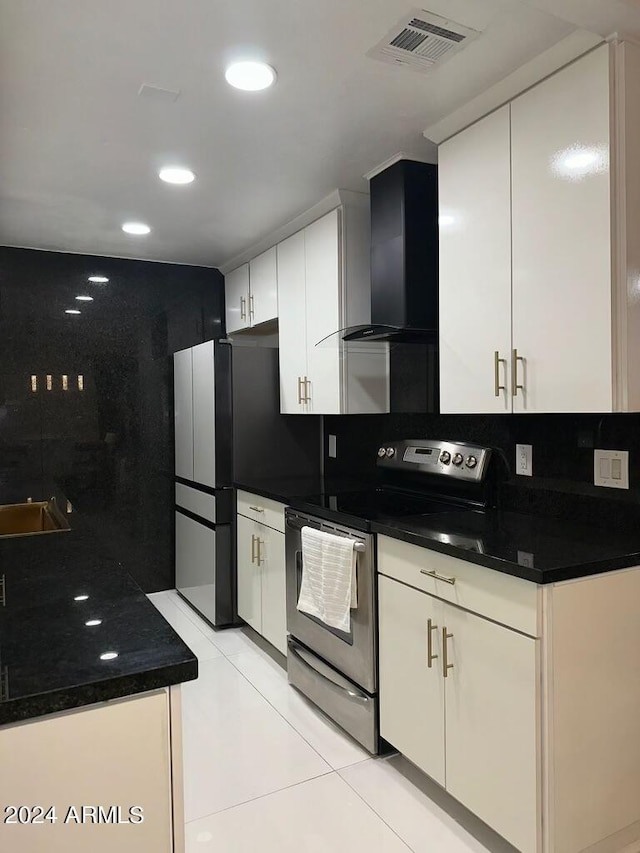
31, 519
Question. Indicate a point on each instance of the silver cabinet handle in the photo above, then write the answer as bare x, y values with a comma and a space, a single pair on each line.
307, 395
446, 666
259, 557
515, 387
430, 656
243, 308
438, 577
300, 390
256, 508
253, 548
251, 311
497, 361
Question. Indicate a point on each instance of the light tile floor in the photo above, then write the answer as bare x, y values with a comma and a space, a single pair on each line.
266, 772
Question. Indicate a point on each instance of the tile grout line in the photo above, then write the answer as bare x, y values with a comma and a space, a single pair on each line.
262, 796
377, 814
291, 726
187, 616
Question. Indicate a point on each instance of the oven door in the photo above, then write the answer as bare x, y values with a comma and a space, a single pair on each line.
354, 653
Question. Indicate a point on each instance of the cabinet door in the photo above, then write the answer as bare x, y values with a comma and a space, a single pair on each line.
292, 323
562, 240
236, 295
196, 564
183, 413
411, 692
274, 598
249, 574
323, 292
263, 287
491, 724
474, 186
204, 438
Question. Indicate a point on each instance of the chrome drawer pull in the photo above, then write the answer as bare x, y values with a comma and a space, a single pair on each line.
446, 666
256, 508
430, 656
253, 548
515, 386
438, 577
497, 361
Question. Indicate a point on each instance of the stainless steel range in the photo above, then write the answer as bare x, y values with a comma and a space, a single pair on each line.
338, 670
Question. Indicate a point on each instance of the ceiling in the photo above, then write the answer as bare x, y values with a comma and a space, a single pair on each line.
81, 149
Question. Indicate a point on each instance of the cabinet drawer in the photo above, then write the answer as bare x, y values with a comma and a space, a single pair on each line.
503, 598
263, 510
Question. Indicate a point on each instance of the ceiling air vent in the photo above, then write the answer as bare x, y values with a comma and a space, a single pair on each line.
421, 39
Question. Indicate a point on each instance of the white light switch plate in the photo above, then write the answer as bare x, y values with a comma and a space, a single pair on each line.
611, 468
524, 460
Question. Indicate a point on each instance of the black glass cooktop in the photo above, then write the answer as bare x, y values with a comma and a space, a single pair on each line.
373, 505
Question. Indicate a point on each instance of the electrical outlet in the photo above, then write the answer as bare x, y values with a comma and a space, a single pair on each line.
611, 468
524, 460
333, 449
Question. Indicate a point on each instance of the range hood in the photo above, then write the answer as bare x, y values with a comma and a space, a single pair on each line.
404, 256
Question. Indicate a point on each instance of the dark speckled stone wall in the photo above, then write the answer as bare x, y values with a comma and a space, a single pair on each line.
109, 446
562, 485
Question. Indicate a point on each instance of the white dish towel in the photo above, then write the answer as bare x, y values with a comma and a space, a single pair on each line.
329, 585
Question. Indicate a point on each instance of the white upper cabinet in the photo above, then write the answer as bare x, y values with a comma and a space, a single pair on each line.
552, 286
251, 293
322, 277
263, 288
236, 294
561, 198
292, 331
474, 185
323, 286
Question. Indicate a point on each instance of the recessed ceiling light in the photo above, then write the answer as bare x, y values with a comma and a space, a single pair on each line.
176, 175
81, 597
250, 76
93, 622
98, 279
72, 311
109, 656
136, 228
84, 298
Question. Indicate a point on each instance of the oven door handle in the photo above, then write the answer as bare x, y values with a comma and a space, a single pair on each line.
354, 695
360, 547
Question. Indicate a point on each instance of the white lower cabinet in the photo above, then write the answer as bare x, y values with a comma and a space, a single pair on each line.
261, 575
249, 574
528, 713
458, 698
411, 686
491, 724
88, 768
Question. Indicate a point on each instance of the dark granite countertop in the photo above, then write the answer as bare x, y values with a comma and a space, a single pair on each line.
49, 658
541, 550
284, 489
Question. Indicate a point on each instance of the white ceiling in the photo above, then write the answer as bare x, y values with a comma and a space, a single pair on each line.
80, 149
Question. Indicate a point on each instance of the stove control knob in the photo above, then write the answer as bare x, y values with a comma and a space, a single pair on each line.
445, 457
391, 452
458, 459
381, 452
471, 461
